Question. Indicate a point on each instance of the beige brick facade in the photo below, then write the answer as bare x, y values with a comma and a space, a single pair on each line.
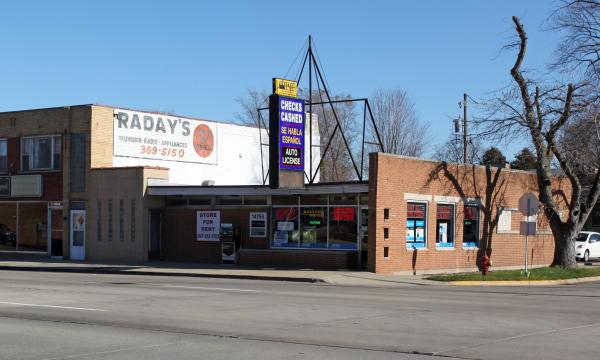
93, 121
122, 236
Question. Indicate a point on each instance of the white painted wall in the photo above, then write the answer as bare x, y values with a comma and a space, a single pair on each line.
238, 158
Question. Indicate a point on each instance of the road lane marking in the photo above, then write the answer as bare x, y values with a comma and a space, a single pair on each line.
517, 337
209, 288
49, 306
133, 348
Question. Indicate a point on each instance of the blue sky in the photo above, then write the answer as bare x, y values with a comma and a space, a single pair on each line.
195, 58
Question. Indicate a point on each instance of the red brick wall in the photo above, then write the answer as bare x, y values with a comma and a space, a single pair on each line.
391, 177
299, 259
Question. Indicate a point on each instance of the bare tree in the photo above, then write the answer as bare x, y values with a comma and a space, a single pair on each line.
452, 151
337, 164
579, 142
254, 99
400, 129
579, 50
543, 114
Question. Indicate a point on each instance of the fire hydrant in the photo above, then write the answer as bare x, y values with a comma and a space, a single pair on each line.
485, 264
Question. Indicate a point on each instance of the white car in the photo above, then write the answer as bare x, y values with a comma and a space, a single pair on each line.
587, 245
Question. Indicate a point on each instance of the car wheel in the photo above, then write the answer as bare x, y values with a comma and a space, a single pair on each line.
586, 256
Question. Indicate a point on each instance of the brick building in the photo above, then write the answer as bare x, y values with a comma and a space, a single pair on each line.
109, 184
446, 216
60, 167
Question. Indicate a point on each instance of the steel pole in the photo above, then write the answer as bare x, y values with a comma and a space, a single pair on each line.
526, 237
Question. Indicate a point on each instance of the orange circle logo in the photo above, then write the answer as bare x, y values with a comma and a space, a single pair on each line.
204, 141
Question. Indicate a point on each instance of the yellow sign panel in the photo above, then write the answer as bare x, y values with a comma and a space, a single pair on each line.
285, 87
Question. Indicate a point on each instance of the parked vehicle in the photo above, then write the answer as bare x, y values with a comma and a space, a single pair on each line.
587, 245
7, 236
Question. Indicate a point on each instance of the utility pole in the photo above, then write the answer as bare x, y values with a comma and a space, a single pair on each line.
465, 128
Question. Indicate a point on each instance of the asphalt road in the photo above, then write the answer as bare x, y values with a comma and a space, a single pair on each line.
85, 316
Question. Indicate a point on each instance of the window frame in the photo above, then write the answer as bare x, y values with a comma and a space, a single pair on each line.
301, 225
327, 208
273, 224
52, 167
410, 245
330, 219
437, 244
472, 245
5, 141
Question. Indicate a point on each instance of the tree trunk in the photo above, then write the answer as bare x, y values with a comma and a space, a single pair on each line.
564, 247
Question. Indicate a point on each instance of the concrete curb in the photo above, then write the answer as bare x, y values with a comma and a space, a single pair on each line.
525, 282
392, 279
117, 271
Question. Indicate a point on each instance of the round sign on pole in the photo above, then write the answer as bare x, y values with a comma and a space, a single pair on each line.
529, 204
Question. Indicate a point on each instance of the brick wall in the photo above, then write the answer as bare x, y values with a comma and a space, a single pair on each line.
179, 239
299, 259
179, 234
101, 132
396, 180
128, 220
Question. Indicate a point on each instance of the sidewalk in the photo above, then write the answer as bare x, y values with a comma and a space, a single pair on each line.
225, 271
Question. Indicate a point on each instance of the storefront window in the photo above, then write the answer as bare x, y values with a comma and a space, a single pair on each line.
342, 228
445, 226
471, 226
285, 227
343, 199
41, 153
313, 200
284, 200
229, 200
316, 226
313, 226
415, 225
3, 154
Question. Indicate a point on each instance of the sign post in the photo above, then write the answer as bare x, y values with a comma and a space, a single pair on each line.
529, 205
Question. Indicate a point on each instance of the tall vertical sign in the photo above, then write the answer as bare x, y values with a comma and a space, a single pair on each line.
286, 141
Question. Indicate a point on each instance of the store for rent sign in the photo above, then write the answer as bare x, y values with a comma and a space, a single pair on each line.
162, 137
208, 225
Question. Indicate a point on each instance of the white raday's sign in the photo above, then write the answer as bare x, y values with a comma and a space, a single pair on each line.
163, 137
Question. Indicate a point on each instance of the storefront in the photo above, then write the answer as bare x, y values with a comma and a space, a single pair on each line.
163, 188
322, 226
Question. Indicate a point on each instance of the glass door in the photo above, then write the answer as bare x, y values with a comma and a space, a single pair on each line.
77, 234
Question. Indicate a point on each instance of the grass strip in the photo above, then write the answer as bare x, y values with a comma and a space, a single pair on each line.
544, 273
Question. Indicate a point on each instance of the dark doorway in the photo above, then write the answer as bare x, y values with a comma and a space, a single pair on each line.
364, 237
155, 249
56, 231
